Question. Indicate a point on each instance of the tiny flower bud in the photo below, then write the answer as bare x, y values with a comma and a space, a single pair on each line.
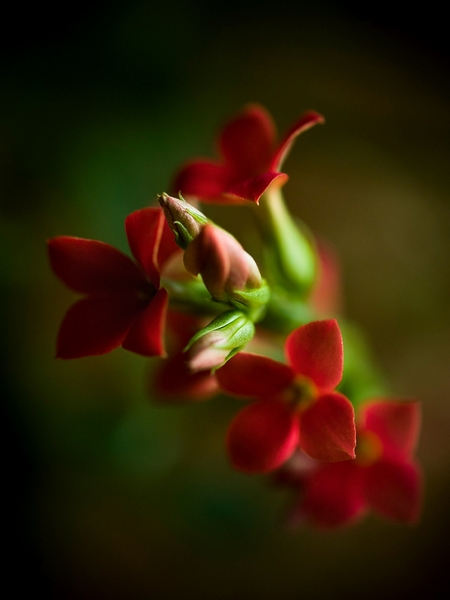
183, 219
213, 345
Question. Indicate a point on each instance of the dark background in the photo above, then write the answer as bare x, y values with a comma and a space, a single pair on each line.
109, 495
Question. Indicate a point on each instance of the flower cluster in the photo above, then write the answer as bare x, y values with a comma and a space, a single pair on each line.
310, 420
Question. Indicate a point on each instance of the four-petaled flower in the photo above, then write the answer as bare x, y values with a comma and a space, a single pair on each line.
296, 404
251, 159
124, 304
384, 477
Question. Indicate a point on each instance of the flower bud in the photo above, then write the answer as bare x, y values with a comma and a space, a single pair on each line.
213, 345
184, 220
226, 268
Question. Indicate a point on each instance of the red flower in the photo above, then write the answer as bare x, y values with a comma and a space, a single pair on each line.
251, 159
123, 303
384, 477
296, 405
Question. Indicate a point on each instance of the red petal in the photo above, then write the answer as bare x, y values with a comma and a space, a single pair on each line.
203, 179
97, 325
396, 423
91, 267
262, 436
394, 489
254, 188
247, 142
174, 381
181, 327
146, 334
334, 495
167, 247
316, 351
327, 429
254, 376
306, 121
144, 230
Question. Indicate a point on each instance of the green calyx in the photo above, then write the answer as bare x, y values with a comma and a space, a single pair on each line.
252, 301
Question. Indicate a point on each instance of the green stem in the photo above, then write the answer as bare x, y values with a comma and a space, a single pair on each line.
191, 295
290, 253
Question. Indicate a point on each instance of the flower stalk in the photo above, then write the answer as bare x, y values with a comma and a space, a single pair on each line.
289, 251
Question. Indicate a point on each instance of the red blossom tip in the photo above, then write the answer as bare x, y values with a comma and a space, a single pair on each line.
306, 121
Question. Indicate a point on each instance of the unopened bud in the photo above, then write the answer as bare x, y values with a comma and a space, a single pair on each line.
226, 268
184, 220
216, 343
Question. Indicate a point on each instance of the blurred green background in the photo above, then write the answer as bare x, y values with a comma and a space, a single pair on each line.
108, 494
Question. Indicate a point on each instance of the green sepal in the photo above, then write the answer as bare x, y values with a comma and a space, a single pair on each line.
192, 296
253, 301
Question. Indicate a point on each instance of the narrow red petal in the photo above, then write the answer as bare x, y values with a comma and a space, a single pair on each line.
254, 188
316, 351
146, 335
333, 495
327, 429
254, 376
306, 121
202, 179
144, 229
262, 436
247, 142
394, 489
91, 267
396, 423
96, 325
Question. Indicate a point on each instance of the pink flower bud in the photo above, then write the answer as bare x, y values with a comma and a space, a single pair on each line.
222, 262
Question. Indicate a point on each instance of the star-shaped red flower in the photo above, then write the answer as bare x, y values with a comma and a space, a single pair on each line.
384, 477
296, 405
251, 159
124, 304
